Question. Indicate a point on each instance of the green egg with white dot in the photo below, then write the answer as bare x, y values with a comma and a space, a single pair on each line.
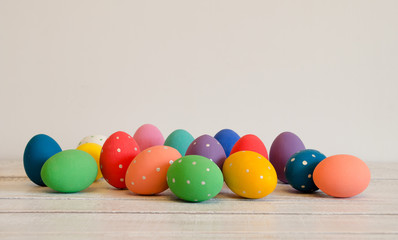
194, 178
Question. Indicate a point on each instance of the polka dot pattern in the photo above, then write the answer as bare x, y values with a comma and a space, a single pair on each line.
195, 178
118, 152
149, 170
299, 172
249, 176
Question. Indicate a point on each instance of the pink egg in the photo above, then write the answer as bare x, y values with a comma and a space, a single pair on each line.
147, 136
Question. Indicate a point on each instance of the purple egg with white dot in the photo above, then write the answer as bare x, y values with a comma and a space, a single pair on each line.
209, 147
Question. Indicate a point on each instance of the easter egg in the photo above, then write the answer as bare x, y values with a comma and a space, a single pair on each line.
283, 147
98, 139
69, 171
194, 178
39, 148
95, 151
250, 142
227, 139
180, 140
117, 153
342, 176
147, 136
249, 174
146, 174
208, 147
300, 169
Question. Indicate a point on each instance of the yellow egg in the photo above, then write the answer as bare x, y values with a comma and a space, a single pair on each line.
95, 151
249, 174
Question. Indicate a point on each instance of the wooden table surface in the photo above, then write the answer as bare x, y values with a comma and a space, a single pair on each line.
102, 212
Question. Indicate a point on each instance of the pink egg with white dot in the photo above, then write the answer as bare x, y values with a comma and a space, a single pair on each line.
208, 146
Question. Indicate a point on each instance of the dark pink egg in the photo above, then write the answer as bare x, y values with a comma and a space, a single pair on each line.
209, 147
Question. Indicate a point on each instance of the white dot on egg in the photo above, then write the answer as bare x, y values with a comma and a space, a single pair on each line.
313, 155
209, 195
135, 149
179, 161
117, 137
208, 169
305, 163
207, 145
134, 161
259, 157
243, 192
203, 182
173, 180
261, 177
292, 160
196, 200
149, 151
230, 164
194, 143
269, 167
247, 170
143, 177
118, 150
132, 183
165, 147
171, 161
122, 179
120, 166
157, 169
188, 182
211, 159
259, 192
193, 163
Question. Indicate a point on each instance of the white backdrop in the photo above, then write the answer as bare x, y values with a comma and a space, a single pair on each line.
325, 70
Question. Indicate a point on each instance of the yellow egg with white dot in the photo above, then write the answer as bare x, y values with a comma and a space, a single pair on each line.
95, 151
249, 174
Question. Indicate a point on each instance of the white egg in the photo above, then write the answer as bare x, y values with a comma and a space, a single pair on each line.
98, 139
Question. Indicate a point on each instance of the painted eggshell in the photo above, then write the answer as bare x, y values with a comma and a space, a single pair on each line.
146, 174
342, 176
283, 147
117, 153
69, 171
39, 148
208, 147
250, 142
194, 178
95, 151
98, 139
300, 169
180, 140
227, 139
249, 174
147, 136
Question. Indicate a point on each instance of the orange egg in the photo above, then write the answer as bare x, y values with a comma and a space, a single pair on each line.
342, 176
147, 173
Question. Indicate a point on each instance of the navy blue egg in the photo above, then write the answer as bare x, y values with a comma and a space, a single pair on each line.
300, 168
39, 148
227, 138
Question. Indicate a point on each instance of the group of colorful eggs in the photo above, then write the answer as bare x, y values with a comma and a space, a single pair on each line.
193, 169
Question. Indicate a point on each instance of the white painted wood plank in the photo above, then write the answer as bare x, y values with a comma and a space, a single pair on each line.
196, 224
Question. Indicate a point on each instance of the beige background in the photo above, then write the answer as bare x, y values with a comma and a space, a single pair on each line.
326, 70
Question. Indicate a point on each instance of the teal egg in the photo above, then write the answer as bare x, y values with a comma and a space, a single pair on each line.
69, 171
180, 139
300, 168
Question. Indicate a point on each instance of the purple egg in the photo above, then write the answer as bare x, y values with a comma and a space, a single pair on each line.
284, 146
209, 147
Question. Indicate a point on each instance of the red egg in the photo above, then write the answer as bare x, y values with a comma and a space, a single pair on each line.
117, 153
342, 176
250, 142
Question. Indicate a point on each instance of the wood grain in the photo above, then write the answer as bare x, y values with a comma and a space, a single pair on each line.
102, 212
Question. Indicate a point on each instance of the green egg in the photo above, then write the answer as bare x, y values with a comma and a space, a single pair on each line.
194, 178
69, 171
